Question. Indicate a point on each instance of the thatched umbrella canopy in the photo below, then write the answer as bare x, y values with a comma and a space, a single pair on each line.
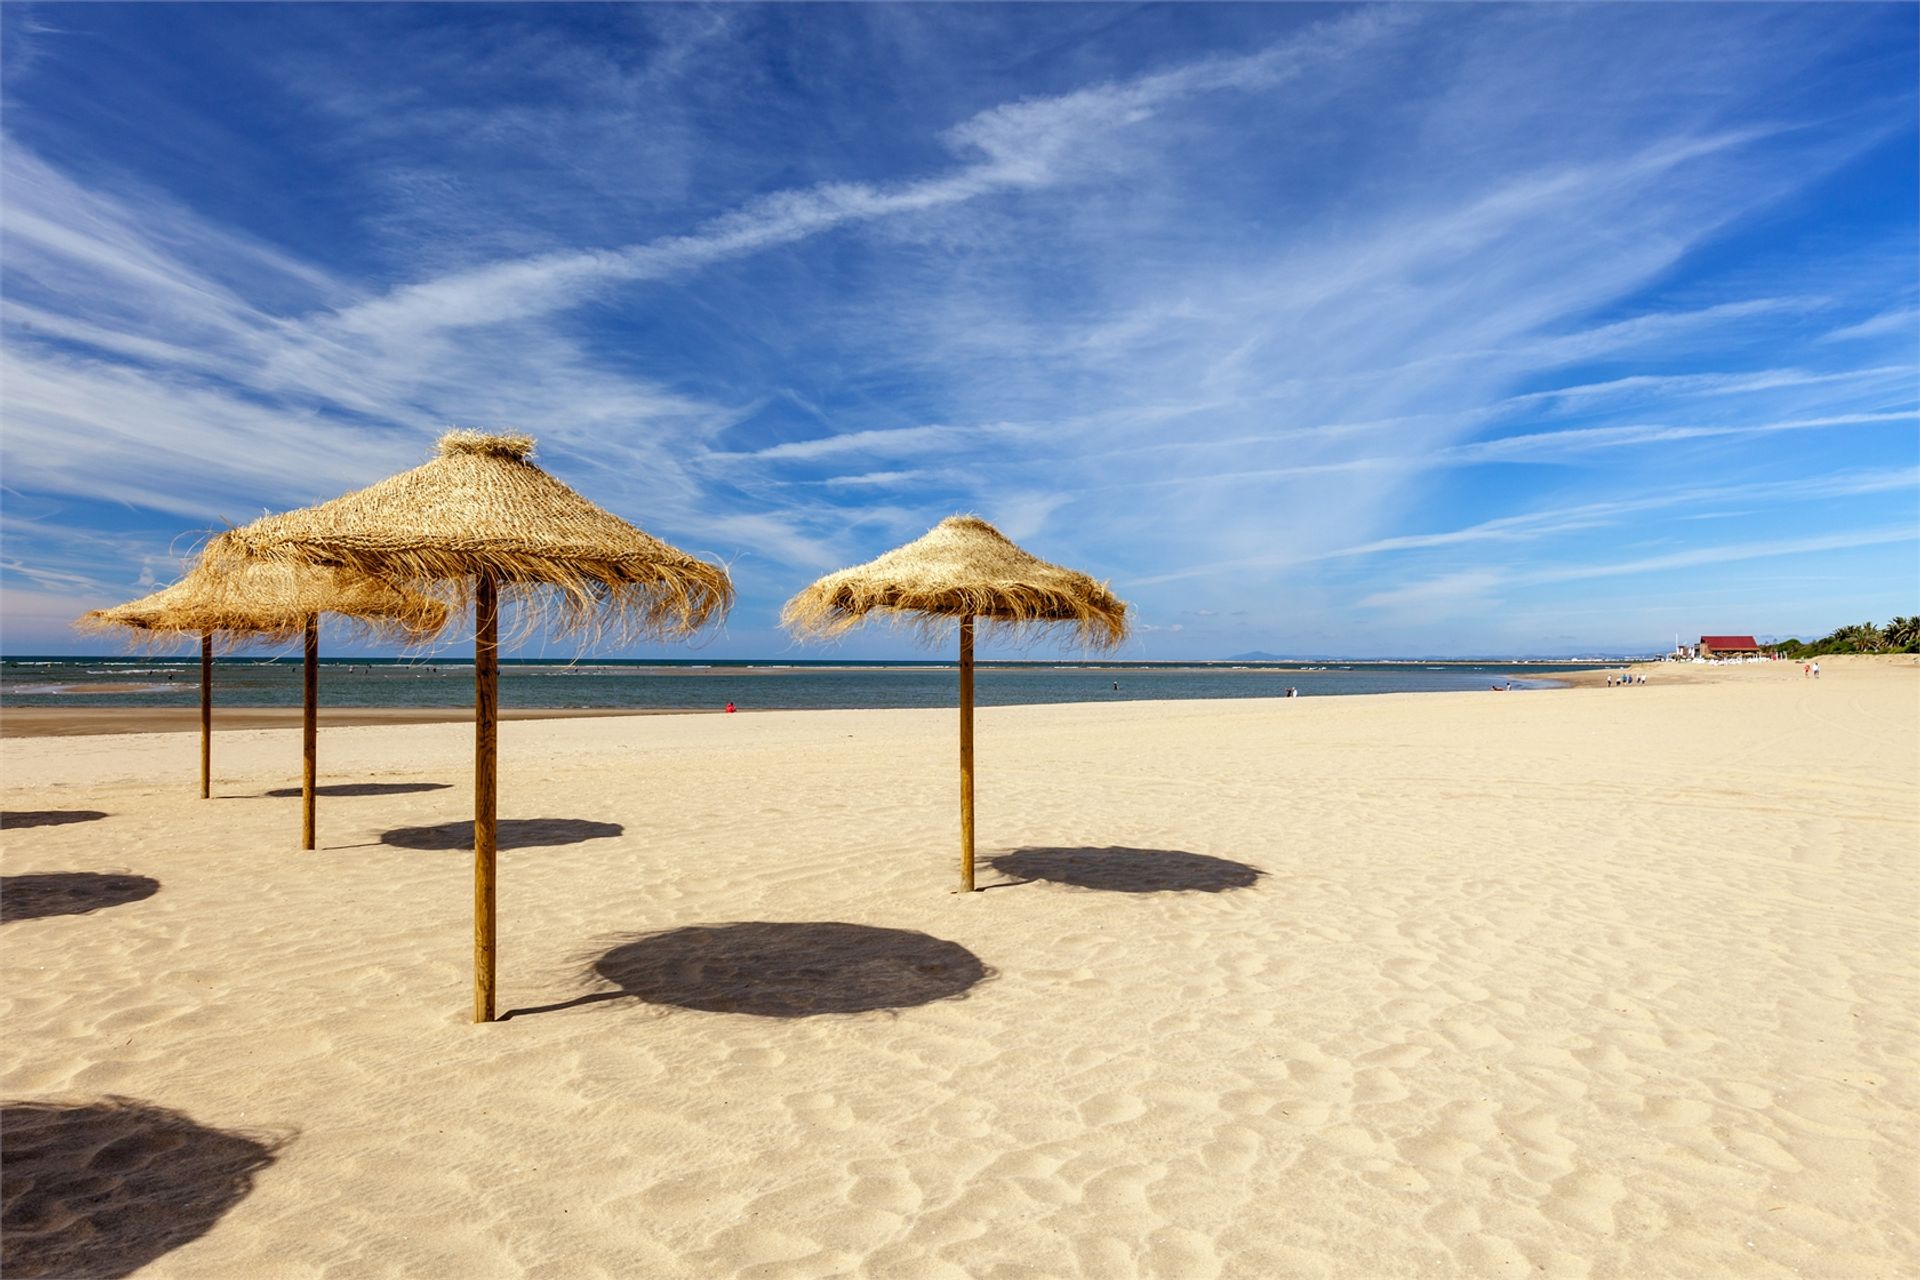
480, 519
963, 569
257, 599
483, 512
233, 599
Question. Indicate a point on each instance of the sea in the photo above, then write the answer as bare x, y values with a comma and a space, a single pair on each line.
695, 685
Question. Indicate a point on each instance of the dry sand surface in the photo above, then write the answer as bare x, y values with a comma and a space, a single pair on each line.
1574, 983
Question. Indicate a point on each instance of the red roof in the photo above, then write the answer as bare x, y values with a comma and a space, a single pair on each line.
1727, 642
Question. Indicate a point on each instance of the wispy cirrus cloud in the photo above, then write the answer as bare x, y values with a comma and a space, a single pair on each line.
1457, 588
1899, 322
1692, 502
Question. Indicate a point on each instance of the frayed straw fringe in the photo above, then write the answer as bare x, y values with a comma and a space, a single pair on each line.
593, 602
239, 601
963, 567
481, 507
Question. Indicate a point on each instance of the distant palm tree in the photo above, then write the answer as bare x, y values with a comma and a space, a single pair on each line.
1902, 633
1862, 637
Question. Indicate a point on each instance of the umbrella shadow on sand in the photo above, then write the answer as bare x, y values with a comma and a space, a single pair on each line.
509, 833
101, 1189
1121, 870
11, 818
783, 970
363, 789
69, 893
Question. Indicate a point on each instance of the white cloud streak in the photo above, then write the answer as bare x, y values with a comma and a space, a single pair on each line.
1904, 321
1452, 587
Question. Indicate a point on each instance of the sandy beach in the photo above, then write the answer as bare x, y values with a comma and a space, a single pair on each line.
1608, 983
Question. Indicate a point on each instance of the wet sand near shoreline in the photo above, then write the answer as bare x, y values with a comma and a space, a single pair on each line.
61, 722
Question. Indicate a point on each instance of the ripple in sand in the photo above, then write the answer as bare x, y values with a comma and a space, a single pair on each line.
98, 1190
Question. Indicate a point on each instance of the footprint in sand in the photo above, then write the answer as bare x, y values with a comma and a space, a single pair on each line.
1494, 1256
1232, 1152
757, 1058
1437, 1151
1025, 1165
1247, 1102
1742, 1094
1586, 1199
1105, 1256
1176, 1251
1112, 1108
1377, 1086
884, 1185
1395, 1055
1762, 1150
820, 1111
1450, 1219
1676, 1111
1124, 1191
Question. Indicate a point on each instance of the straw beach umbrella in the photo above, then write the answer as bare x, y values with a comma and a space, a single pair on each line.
238, 599
478, 520
963, 568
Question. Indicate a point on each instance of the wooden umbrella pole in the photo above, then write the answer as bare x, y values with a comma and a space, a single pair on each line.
206, 714
310, 730
486, 708
966, 755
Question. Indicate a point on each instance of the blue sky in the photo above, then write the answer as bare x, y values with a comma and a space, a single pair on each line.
1431, 330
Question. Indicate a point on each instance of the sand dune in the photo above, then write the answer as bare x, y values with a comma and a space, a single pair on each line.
1577, 983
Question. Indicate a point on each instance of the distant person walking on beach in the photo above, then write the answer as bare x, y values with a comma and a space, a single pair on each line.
1816, 670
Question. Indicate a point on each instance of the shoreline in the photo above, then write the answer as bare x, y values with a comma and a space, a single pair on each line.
91, 721
76, 722
96, 721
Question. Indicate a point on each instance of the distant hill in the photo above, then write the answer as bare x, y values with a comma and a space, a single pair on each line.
1256, 656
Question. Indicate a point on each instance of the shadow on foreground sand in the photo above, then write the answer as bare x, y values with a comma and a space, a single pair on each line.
101, 1189
11, 818
783, 970
363, 789
69, 893
1120, 870
508, 833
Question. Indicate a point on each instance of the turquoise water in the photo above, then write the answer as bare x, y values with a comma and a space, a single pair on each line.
694, 685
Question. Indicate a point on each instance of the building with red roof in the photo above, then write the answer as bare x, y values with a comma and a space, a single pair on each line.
1729, 647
